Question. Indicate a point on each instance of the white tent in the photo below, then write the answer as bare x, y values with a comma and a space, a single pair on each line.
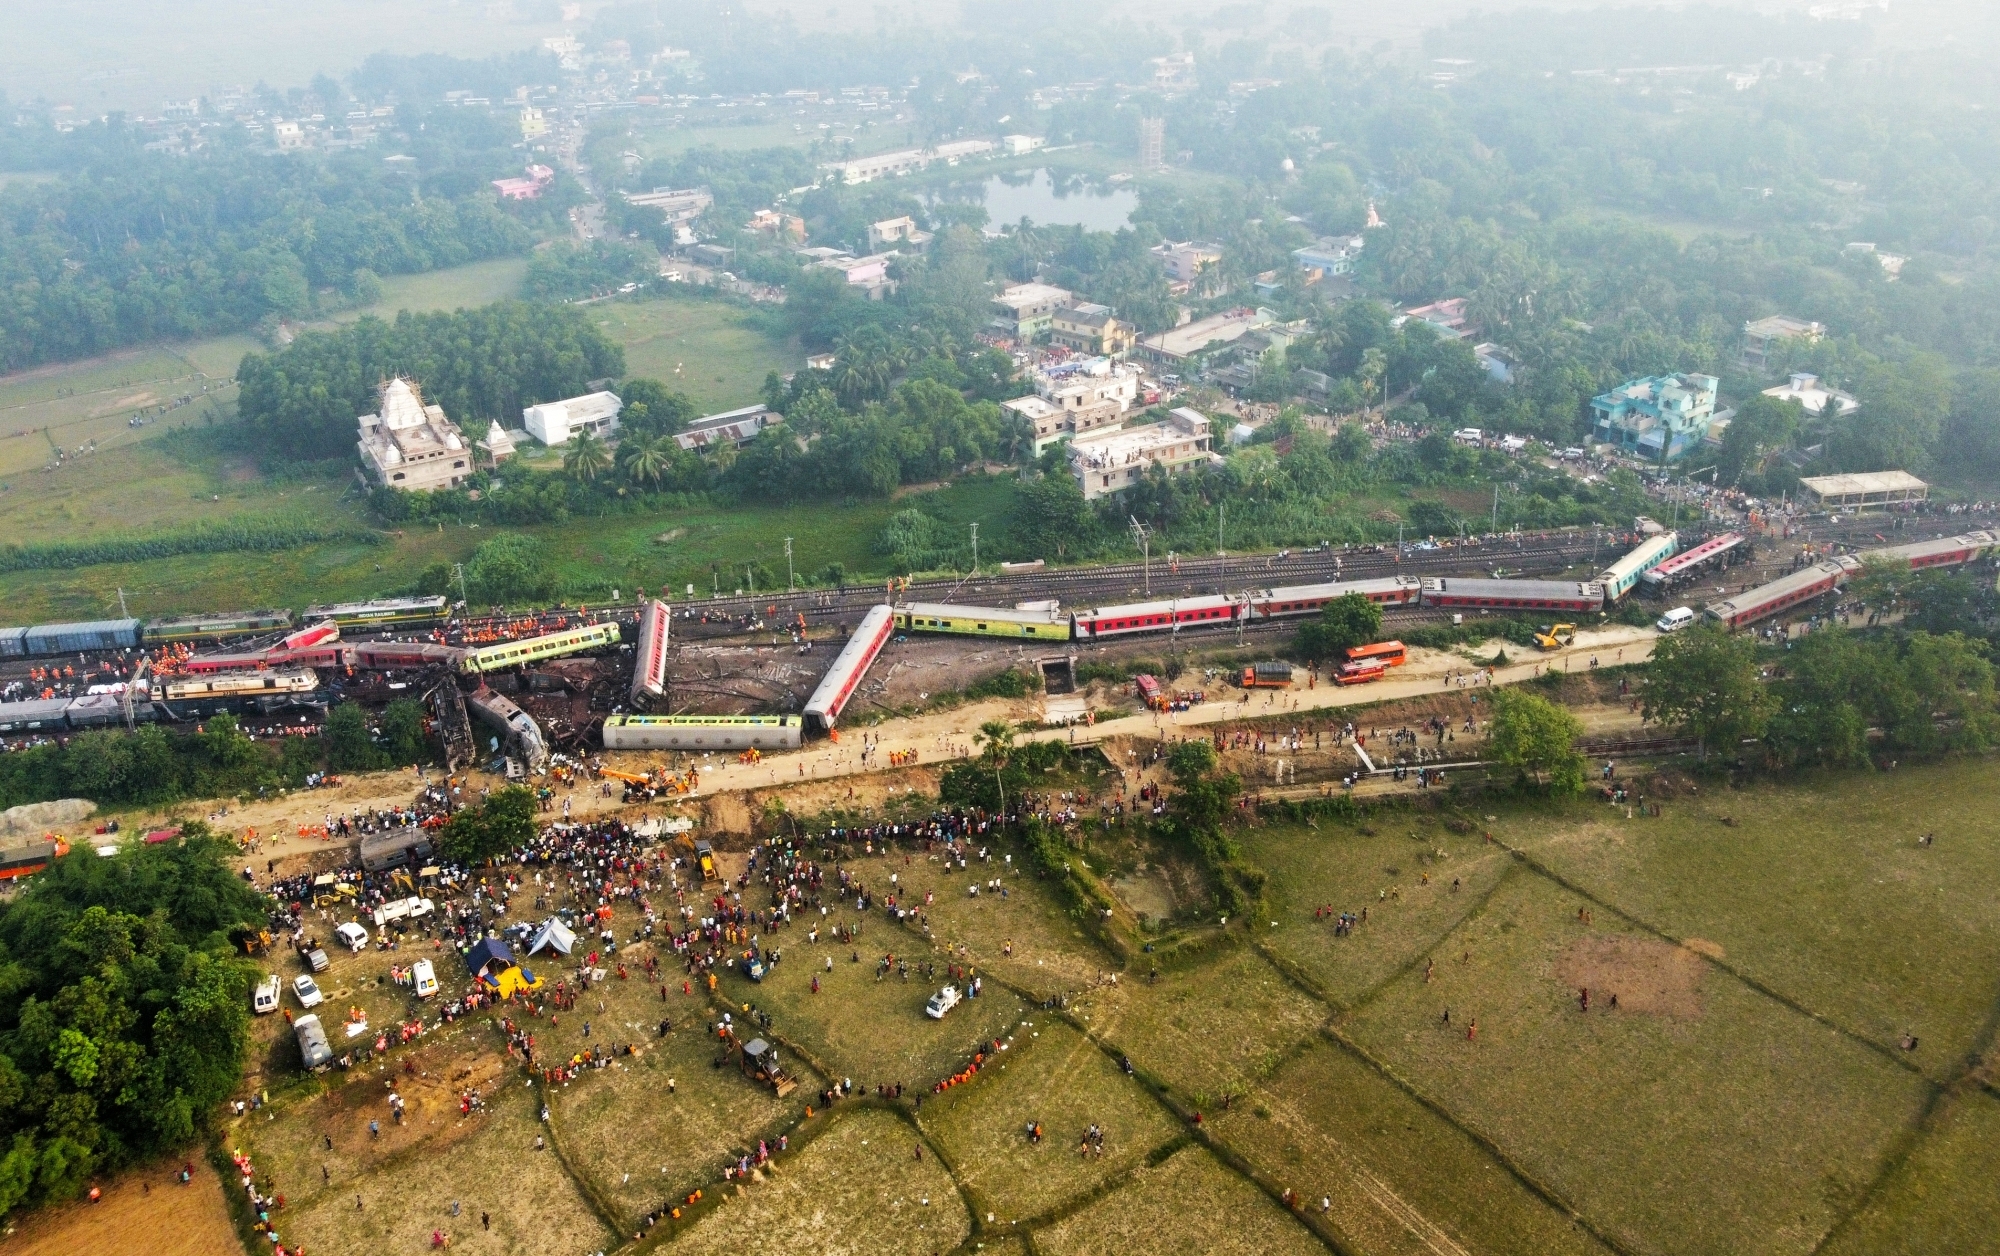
553, 933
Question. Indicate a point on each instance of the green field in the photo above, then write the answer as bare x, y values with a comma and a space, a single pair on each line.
1750, 1091
706, 349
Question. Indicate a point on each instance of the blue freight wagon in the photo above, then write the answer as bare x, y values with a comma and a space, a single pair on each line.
95, 634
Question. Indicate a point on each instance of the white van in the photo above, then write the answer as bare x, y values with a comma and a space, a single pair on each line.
423, 978
352, 936
265, 997
313, 1048
1675, 619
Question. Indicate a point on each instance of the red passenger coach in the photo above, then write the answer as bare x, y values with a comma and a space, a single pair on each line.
383, 655
316, 634
844, 677
204, 664
1119, 621
1514, 595
1311, 599
1948, 551
1784, 593
325, 654
649, 668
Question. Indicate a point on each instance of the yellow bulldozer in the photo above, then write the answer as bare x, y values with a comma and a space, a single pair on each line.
1556, 636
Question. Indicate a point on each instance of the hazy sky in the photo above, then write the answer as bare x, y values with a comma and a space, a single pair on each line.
133, 54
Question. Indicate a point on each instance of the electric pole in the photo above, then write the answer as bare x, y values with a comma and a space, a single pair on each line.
458, 573
1220, 552
1496, 509
122, 612
1144, 536
975, 549
791, 581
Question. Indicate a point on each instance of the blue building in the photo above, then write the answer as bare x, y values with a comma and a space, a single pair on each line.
1659, 418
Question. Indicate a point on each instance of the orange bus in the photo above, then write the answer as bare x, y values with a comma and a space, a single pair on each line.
1360, 673
1387, 653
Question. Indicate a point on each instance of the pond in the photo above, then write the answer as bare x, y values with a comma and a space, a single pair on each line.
1039, 197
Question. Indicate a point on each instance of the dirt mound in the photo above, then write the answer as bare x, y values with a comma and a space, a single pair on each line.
1670, 785
1648, 976
30, 820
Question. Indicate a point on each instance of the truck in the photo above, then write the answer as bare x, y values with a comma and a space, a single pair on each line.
941, 1002
1360, 672
1274, 675
1150, 691
412, 908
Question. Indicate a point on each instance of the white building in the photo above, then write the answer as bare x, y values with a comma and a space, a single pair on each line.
1111, 462
409, 445
554, 422
1816, 397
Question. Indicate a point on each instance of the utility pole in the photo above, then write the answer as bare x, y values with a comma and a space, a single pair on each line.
1220, 552
458, 573
122, 612
791, 581
1496, 509
1144, 536
975, 549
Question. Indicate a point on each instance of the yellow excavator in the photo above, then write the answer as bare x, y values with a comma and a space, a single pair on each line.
1556, 636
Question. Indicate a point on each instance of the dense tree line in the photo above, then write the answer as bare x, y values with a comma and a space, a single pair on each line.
231, 536
124, 1017
155, 765
565, 270
480, 365
123, 246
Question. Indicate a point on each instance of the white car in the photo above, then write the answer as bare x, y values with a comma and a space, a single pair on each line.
1675, 619
306, 990
352, 935
423, 978
265, 997
941, 1002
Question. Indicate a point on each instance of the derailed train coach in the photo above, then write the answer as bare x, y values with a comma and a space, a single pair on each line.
703, 732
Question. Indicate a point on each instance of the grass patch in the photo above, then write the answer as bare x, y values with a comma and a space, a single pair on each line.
1944, 1197
487, 1163
855, 1187
1720, 1121
1819, 891
710, 350
873, 1031
1053, 1075
1191, 1203
454, 288
639, 1146
1209, 1031
1400, 1177
1345, 869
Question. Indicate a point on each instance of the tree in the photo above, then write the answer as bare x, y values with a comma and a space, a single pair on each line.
1347, 621
403, 731
647, 462
1704, 681
1050, 519
504, 822
999, 742
586, 458
1195, 813
125, 1020
1535, 736
350, 747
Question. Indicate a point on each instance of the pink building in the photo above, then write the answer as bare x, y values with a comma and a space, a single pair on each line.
525, 189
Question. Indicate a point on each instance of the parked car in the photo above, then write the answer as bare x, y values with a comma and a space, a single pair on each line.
352, 935
316, 960
313, 1046
306, 990
941, 1002
265, 997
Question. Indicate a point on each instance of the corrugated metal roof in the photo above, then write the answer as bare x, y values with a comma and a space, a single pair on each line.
87, 625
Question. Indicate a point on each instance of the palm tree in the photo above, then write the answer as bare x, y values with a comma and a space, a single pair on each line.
646, 462
587, 458
999, 739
